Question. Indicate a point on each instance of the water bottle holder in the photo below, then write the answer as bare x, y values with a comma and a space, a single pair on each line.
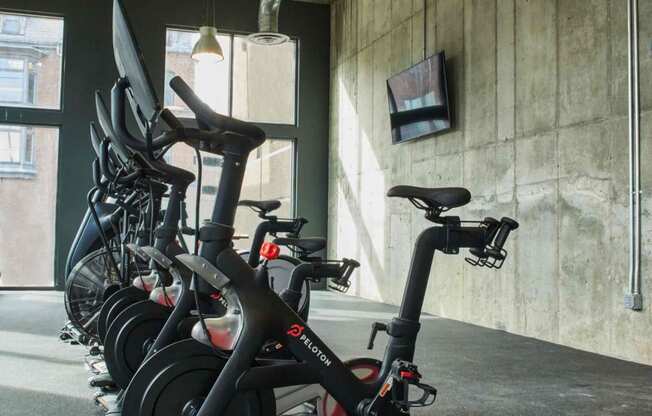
340, 286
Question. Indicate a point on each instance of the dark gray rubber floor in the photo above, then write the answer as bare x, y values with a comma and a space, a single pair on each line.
39, 375
477, 371
484, 372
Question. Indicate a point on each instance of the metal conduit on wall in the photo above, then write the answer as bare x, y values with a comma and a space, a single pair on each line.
634, 299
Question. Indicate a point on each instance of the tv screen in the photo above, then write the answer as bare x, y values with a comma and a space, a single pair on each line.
131, 65
418, 100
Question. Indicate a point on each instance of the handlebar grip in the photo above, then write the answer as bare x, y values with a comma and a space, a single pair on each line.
170, 119
350, 265
97, 176
95, 138
507, 225
493, 225
205, 114
104, 161
119, 123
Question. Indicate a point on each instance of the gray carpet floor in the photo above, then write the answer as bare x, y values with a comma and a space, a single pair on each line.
477, 371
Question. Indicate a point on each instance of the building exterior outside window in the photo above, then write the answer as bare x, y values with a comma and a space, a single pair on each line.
31, 56
17, 151
30, 61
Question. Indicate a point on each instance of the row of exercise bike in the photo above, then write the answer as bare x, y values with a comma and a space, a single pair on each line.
208, 330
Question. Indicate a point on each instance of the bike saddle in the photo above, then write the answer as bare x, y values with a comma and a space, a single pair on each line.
440, 199
262, 207
305, 246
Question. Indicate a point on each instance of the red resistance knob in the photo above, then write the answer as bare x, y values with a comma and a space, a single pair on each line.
270, 251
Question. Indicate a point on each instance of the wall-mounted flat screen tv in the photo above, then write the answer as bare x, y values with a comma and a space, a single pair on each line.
418, 100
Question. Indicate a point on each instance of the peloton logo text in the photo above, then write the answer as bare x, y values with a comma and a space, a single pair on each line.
296, 331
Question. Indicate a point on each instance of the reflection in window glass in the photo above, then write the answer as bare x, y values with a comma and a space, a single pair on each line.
210, 80
269, 175
28, 184
30, 61
264, 81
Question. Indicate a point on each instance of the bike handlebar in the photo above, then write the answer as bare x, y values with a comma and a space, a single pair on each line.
214, 120
118, 121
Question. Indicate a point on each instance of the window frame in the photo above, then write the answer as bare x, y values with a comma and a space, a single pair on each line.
34, 116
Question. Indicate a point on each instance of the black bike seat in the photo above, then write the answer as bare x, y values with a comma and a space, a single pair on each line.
263, 206
306, 246
433, 197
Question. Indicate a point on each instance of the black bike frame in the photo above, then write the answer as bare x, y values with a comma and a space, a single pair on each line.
318, 364
271, 225
187, 301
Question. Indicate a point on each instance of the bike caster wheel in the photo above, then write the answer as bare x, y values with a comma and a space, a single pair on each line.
192, 407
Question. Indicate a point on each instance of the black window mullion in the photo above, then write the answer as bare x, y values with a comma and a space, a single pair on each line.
24, 116
231, 76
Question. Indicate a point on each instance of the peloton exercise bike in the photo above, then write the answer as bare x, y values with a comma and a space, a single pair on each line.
134, 320
246, 384
122, 208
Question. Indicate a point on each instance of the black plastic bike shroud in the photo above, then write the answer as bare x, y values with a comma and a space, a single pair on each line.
260, 324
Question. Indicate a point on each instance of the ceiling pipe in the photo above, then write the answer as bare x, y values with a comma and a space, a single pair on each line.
268, 33
634, 299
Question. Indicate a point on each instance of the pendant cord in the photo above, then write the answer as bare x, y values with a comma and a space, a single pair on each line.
214, 13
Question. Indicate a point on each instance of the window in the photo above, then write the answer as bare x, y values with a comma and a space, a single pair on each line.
16, 151
17, 82
264, 81
12, 24
209, 190
30, 65
269, 175
258, 84
28, 186
210, 80
31, 57
212, 161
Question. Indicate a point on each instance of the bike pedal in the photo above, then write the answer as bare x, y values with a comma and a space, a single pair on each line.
103, 381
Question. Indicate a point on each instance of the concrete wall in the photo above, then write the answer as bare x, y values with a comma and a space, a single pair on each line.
539, 90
